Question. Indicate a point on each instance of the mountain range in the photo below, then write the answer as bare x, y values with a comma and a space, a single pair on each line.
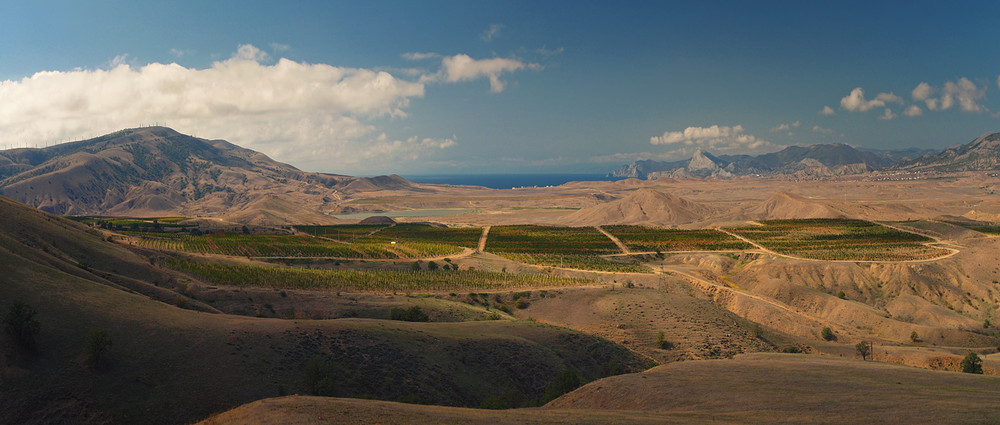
158, 171
816, 161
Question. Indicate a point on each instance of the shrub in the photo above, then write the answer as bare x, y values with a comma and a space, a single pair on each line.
662, 343
863, 348
20, 324
96, 347
320, 376
827, 334
791, 349
566, 381
521, 303
841, 295
412, 314
513, 399
914, 337
432, 265
972, 364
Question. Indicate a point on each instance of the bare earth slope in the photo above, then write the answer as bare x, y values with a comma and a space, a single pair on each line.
157, 171
784, 205
757, 388
644, 206
169, 365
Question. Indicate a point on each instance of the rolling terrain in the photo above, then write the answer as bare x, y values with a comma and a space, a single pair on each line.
156, 171
760, 388
175, 365
213, 314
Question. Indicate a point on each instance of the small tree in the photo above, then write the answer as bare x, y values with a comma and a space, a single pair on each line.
864, 348
412, 314
972, 364
96, 347
19, 323
827, 334
566, 381
841, 295
321, 376
914, 337
432, 265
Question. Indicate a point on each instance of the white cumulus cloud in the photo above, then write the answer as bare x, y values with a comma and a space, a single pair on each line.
827, 110
963, 92
316, 116
491, 33
416, 56
464, 68
715, 139
887, 115
821, 130
913, 111
922, 91
856, 102
785, 127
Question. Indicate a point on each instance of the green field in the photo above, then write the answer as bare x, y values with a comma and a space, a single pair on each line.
839, 239
424, 234
341, 232
367, 280
549, 240
242, 245
643, 238
152, 224
581, 262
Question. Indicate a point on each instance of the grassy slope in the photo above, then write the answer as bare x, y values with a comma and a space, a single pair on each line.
757, 388
170, 365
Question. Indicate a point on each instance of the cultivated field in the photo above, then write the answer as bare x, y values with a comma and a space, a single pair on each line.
839, 240
646, 238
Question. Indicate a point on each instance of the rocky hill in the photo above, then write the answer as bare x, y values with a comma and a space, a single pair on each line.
644, 206
982, 154
158, 171
815, 160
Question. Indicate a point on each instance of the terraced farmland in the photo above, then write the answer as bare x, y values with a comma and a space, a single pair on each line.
367, 280
643, 238
467, 237
581, 262
341, 231
580, 241
840, 239
235, 244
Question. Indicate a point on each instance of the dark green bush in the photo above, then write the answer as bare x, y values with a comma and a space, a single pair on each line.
19, 323
827, 334
972, 364
96, 347
566, 381
412, 314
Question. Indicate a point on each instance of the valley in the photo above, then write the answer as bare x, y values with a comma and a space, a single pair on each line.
628, 301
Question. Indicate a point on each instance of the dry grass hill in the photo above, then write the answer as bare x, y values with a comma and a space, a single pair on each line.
173, 365
157, 171
644, 206
759, 388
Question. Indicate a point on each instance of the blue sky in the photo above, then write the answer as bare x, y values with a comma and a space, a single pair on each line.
439, 87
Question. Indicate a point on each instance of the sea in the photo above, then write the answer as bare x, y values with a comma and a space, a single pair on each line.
507, 181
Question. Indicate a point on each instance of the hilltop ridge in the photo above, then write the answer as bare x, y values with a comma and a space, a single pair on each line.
158, 171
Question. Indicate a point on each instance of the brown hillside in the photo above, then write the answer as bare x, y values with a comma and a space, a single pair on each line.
784, 205
169, 365
644, 206
758, 388
157, 171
